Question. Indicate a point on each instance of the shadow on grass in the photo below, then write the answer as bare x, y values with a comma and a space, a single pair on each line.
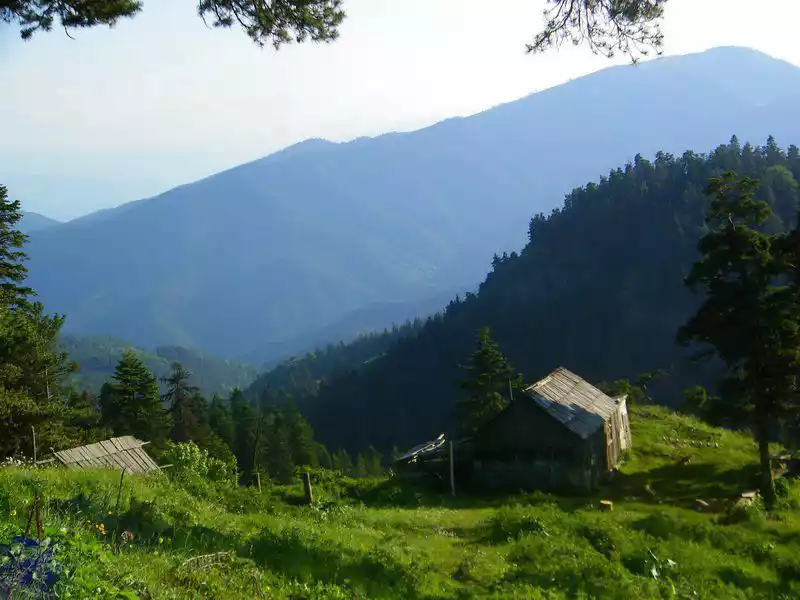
294, 555
682, 484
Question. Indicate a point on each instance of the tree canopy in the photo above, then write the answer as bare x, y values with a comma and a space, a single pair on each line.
606, 26
274, 22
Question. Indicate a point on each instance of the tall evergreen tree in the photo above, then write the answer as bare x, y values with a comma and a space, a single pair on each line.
130, 403
179, 396
488, 386
33, 370
12, 270
221, 420
749, 318
246, 423
342, 462
304, 449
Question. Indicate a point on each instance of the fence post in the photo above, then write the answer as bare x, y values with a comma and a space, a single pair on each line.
307, 487
452, 472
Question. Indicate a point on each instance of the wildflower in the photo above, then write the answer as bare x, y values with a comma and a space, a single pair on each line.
155, 553
13, 512
160, 540
110, 513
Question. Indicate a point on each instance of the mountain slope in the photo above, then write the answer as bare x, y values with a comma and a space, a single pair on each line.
598, 289
285, 246
32, 221
98, 356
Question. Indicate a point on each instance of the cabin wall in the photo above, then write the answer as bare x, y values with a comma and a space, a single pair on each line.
525, 448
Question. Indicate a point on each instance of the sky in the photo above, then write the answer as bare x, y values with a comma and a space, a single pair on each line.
119, 114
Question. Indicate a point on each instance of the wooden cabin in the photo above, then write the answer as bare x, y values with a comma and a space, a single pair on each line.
562, 432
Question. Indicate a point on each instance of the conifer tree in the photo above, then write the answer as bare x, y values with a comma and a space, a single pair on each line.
301, 439
130, 403
360, 470
13, 294
221, 420
179, 396
324, 459
246, 423
750, 317
488, 387
278, 446
342, 462
32, 368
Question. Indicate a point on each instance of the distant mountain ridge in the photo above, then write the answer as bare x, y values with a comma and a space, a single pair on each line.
283, 247
97, 357
32, 221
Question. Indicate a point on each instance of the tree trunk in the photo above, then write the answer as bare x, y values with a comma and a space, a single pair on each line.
767, 482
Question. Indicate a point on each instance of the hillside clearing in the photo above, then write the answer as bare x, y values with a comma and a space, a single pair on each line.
384, 539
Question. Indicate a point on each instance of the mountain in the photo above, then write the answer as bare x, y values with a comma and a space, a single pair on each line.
362, 322
32, 221
599, 289
288, 245
97, 358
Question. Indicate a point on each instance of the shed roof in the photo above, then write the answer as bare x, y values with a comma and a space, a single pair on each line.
574, 402
117, 453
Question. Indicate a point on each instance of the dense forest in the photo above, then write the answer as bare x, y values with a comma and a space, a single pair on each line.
599, 288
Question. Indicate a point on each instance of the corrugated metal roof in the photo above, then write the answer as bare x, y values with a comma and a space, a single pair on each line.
576, 403
424, 448
117, 453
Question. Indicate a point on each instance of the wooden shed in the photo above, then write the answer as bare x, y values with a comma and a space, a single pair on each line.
117, 453
561, 432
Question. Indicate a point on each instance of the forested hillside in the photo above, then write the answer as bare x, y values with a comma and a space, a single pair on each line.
279, 249
599, 288
97, 356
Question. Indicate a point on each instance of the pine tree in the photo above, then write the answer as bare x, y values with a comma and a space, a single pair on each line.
33, 370
130, 403
301, 439
12, 270
278, 447
372, 462
750, 317
342, 462
179, 397
323, 456
221, 420
490, 377
360, 471
245, 423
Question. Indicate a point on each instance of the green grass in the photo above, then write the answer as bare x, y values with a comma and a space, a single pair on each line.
384, 539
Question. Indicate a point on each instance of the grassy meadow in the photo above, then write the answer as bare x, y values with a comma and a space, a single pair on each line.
385, 539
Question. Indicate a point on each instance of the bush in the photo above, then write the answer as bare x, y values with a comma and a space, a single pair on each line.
192, 465
783, 487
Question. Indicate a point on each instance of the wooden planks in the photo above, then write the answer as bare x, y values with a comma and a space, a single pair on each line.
116, 453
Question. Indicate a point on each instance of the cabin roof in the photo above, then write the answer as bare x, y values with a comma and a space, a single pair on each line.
118, 453
572, 401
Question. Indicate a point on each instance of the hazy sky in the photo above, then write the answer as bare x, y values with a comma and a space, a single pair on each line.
115, 115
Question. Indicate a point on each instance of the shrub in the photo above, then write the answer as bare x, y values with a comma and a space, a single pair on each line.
192, 465
783, 487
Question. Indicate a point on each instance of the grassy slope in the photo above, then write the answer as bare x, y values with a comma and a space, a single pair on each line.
377, 539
